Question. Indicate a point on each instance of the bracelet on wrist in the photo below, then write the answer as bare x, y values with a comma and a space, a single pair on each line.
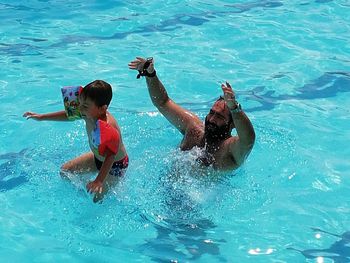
144, 71
237, 109
151, 75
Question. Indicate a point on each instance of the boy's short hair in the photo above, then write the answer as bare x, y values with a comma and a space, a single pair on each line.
98, 91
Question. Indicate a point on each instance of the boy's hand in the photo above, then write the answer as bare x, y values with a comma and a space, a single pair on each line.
138, 63
229, 96
32, 115
94, 187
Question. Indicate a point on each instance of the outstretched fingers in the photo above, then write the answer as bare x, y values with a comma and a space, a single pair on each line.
136, 64
227, 90
29, 114
229, 95
133, 65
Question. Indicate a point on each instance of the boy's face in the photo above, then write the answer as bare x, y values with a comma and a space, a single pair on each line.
89, 109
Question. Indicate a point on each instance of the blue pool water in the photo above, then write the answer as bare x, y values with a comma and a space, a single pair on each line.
289, 64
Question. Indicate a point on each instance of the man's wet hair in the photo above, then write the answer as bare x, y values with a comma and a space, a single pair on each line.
99, 92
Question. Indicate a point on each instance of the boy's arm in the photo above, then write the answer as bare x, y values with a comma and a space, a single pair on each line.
53, 116
96, 186
176, 115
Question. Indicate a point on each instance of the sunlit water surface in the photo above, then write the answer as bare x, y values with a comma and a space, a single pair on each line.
288, 62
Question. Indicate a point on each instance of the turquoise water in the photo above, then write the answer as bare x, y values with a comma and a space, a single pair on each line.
289, 64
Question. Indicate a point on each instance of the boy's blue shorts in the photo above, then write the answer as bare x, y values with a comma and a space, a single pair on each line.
117, 168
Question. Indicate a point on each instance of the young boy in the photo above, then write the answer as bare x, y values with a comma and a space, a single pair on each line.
108, 154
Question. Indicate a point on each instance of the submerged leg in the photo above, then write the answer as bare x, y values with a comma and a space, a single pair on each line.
81, 164
110, 182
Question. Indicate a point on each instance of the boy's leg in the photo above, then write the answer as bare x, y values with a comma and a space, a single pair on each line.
80, 164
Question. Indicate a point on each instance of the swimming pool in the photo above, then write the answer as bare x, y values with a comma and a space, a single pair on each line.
289, 64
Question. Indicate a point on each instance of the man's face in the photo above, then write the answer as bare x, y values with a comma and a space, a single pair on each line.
217, 123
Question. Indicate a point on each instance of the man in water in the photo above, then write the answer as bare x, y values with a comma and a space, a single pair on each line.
220, 149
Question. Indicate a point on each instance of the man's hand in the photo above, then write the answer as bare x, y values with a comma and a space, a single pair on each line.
138, 64
229, 96
32, 115
94, 187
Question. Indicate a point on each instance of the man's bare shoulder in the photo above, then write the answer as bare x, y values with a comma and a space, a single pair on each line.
195, 129
230, 144
224, 157
231, 140
193, 136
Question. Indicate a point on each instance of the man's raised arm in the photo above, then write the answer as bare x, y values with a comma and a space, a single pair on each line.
240, 148
176, 115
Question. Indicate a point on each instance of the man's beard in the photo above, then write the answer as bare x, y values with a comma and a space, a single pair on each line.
214, 133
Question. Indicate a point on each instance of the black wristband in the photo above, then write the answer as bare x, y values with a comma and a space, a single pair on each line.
147, 74
144, 71
237, 109
151, 75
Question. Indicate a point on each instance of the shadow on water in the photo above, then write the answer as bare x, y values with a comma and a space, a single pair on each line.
11, 176
177, 241
339, 251
173, 23
326, 86
329, 85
